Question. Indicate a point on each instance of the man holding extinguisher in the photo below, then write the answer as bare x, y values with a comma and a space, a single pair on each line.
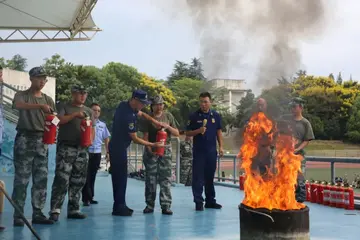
204, 126
157, 165
72, 154
123, 133
30, 152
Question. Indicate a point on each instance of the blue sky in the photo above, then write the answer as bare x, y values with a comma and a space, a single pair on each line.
138, 34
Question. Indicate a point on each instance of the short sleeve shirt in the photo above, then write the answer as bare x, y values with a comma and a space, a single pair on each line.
31, 120
124, 123
101, 133
147, 126
206, 141
70, 133
302, 129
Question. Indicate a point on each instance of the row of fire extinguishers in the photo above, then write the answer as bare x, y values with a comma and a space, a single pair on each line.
333, 195
50, 130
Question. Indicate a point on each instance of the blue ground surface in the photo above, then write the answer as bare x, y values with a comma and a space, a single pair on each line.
326, 223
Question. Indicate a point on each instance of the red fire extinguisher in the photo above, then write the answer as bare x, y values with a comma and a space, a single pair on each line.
340, 196
86, 129
320, 195
314, 191
161, 136
50, 127
349, 198
326, 194
333, 195
308, 192
242, 181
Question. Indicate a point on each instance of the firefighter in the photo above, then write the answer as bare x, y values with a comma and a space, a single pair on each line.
205, 137
186, 161
71, 158
303, 134
123, 133
158, 168
30, 153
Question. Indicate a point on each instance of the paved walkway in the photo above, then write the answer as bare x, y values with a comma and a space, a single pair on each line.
326, 223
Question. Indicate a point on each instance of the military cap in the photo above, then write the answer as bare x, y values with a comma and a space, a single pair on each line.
37, 72
297, 101
79, 88
157, 100
141, 96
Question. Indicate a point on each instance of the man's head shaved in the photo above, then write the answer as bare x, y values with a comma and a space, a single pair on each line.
261, 104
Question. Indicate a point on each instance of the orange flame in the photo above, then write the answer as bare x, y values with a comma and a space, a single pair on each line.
276, 190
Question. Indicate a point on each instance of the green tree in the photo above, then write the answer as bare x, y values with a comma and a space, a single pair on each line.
353, 124
186, 91
17, 62
244, 109
339, 79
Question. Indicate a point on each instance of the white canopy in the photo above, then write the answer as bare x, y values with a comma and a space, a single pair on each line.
66, 17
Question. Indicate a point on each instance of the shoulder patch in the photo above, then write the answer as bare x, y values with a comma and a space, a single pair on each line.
131, 126
188, 122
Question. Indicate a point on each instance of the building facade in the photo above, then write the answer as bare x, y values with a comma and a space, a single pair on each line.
234, 91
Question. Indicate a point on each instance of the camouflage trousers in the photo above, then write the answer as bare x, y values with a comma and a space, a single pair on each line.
70, 176
30, 158
186, 171
158, 170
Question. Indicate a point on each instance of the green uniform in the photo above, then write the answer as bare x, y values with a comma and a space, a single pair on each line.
302, 131
71, 162
158, 169
30, 153
186, 163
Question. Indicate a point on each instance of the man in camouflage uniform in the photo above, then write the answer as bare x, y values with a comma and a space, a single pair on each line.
30, 153
186, 161
158, 169
303, 134
71, 158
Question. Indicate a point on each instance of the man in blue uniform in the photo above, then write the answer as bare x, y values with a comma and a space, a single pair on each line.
123, 132
204, 126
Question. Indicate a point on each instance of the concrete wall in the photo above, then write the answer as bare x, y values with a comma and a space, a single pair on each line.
21, 81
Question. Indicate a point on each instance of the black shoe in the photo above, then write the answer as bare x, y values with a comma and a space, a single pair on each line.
76, 215
41, 219
213, 205
2, 228
94, 202
125, 212
18, 222
148, 210
86, 204
129, 209
54, 217
167, 211
199, 207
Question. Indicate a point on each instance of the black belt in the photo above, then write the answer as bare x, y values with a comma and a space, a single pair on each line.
30, 133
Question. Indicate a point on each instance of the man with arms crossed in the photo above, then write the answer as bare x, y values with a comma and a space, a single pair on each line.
204, 126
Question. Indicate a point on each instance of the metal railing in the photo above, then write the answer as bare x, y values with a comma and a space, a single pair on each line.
135, 157
236, 168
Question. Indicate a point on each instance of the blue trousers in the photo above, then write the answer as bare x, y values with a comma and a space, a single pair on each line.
204, 167
119, 166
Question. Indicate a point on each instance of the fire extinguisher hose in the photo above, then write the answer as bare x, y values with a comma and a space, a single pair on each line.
20, 213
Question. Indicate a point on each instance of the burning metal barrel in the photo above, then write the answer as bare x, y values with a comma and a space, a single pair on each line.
263, 224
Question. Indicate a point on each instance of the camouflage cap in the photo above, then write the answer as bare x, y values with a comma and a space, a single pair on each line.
79, 88
297, 101
157, 100
37, 72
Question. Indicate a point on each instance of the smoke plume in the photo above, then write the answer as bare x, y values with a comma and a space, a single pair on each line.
269, 32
